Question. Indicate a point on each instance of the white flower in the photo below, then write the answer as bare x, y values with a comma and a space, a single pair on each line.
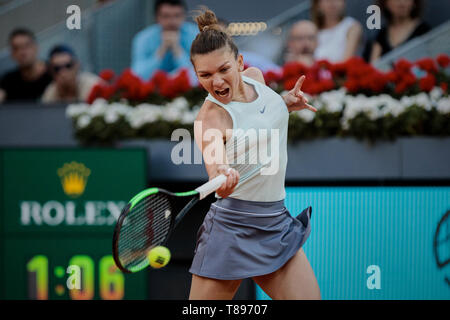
179, 103
306, 115
333, 101
188, 117
423, 100
443, 105
111, 116
120, 109
436, 93
172, 114
143, 114
75, 110
98, 108
83, 121
374, 107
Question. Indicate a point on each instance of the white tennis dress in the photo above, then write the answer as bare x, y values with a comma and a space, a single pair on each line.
251, 232
259, 135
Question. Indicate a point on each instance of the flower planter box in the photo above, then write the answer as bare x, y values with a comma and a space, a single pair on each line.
322, 159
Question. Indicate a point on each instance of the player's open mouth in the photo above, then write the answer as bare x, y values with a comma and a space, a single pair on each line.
223, 93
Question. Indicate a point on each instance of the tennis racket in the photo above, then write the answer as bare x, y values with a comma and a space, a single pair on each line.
150, 217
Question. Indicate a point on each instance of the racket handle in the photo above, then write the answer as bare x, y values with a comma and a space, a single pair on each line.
211, 186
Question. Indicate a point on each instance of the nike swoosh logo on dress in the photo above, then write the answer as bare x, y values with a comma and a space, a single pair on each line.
262, 111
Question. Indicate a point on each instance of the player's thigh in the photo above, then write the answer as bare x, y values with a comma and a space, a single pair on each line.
294, 281
212, 289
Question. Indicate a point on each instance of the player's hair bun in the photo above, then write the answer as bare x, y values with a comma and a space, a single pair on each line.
207, 20
212, 36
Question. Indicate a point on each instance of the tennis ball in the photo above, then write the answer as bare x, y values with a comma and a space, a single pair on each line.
158, 257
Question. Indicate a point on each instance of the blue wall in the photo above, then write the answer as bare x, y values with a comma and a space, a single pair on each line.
391, 227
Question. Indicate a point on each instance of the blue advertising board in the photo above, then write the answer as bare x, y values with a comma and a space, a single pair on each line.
377, 242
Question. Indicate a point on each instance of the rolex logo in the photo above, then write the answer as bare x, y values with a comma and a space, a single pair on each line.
74, 177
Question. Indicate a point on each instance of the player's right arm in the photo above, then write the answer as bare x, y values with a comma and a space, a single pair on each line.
210, 133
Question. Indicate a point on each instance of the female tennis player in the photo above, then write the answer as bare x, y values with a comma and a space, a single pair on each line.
248, 232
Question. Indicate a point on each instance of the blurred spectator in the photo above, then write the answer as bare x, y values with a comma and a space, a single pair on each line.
339, 36
29, 80
69, 84
165, 45
302, 43
403, 24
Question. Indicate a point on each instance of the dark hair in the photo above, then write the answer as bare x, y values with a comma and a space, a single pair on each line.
159, 3
21, 32
317, 16
415, 12
212, 35
61, 48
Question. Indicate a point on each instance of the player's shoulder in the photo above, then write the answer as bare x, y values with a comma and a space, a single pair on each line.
255, 74
210, 109
212, 115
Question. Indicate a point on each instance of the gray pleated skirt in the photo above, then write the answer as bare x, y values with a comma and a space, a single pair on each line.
241, 239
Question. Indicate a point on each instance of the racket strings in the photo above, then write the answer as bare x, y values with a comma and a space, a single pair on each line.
146, 225
248, 153
247, 171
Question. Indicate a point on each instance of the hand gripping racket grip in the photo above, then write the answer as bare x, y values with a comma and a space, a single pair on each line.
211, 186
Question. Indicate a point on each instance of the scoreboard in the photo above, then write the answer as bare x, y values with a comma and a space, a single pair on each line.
58, 209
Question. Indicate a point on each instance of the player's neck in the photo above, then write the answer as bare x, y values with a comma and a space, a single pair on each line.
245, 93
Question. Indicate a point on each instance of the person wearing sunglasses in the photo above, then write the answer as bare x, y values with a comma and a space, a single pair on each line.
69, 83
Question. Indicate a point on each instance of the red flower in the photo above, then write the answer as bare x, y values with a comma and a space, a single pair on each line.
96, 92
391, 76
380, 80
101, 90
181, 82
107, 75
129, 84
324, 64
166, 89
427, 83
272, 77
443, 60
289, 83
409, 79
327, 85
339, 69
108, 91
159, 78
146, 89
351, 85
444, 86
294, 70
403, 66
427, 64
400, 88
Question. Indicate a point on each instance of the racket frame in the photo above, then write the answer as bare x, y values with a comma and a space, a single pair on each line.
174, 220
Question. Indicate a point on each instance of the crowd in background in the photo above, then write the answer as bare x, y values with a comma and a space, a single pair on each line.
329, 35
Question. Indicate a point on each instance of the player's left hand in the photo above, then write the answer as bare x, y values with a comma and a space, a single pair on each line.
296, 100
